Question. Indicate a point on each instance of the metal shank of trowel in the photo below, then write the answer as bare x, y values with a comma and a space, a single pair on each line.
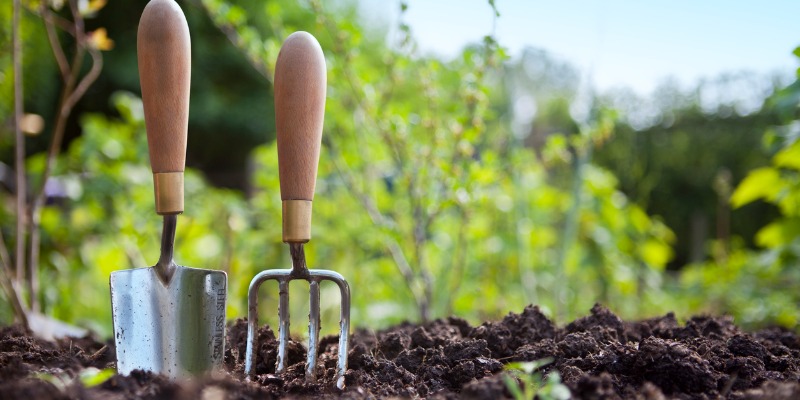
164, 56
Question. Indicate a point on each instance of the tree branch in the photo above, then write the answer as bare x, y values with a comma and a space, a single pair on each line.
88, 79
55, 44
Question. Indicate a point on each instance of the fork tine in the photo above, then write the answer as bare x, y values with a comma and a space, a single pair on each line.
283, 330
313, 331
283, 278
344, 318
344, 327
252, 323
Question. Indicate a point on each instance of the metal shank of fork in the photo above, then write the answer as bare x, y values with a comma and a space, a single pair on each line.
283, 276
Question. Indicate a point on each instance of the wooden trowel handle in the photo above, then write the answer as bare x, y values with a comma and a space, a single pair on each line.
300, 84
164, 53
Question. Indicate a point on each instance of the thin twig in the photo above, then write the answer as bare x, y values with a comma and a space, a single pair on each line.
20, 187
62, 23
12, 289
55, 44
456, 269
236, 40
98, 353
420, 239
88, 79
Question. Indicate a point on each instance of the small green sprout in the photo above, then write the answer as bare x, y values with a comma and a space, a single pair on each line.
525, 382
89, 377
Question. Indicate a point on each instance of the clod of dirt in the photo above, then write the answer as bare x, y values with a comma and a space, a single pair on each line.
599, 356
602, 324
514, 331
674, 367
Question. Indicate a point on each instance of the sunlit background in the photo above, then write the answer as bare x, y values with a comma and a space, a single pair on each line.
617, 44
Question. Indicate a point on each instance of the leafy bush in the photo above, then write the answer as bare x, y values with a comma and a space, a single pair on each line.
757, 287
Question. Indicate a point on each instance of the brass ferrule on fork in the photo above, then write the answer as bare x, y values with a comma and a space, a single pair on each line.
296, 221
169, 192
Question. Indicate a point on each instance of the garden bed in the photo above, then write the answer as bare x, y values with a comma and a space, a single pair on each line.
597, 356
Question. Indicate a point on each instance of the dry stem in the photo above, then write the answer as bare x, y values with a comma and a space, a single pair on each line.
72, 90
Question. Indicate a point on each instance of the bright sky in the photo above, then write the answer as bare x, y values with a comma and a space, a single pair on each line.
623, 43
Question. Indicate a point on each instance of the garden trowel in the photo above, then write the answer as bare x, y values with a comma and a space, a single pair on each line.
168, 319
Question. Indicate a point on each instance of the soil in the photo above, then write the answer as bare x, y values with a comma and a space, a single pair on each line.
598, 356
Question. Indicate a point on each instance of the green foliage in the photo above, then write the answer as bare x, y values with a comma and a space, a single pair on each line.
428, 199
525, 382
669, 165
757, 287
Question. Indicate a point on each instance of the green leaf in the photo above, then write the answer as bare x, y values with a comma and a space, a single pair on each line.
655, 253
778, 233
530, 366
56, 380
513, 387
494, 8
91, 377
788, 157
555, 389
759, 183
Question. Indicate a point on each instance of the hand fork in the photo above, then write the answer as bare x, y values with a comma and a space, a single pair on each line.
300, 84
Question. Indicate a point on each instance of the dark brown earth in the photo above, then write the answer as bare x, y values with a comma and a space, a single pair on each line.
598, 357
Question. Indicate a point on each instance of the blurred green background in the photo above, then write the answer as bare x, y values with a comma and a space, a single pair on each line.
434, 196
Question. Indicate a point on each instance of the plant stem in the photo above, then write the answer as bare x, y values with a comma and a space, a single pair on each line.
11, 288
20, 184
11, 285
458, 265
523, 236
571, 222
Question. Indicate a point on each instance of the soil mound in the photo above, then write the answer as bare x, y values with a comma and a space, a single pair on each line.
598, 356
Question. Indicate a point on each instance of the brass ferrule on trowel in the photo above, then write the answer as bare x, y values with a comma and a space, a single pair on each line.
296, 221
169, 193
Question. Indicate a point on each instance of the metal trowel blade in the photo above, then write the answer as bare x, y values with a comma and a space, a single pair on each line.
176, 329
